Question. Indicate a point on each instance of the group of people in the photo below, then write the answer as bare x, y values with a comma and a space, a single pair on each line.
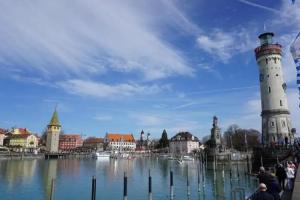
270, 186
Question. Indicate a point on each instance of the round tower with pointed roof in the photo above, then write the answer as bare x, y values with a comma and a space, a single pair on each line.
53, 130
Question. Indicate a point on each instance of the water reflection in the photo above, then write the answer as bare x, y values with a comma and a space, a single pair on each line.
49, 172
16, 172
73, 178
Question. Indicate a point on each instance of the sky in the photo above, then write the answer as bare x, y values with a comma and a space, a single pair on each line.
126, 66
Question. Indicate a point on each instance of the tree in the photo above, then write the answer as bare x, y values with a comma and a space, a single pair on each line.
241, 139
164, 141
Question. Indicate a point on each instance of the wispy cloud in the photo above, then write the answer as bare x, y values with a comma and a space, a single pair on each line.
223, 45
86, 38
102, 118
102, 90
259, 6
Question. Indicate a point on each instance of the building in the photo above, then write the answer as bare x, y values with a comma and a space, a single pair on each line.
70, 141
183, 143
53, 131
27, 141
121, 142
16, 131
3, 133
2, 136
215, 137
94, 143
276, 122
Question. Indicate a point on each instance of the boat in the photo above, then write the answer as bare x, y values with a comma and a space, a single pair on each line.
101, 155
187, 158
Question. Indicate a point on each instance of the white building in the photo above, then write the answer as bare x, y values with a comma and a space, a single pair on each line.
120, 142
183, 143
276, 122
2, 136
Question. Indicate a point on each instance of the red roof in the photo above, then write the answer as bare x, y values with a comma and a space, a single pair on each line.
120, 137
93, 140
3, 131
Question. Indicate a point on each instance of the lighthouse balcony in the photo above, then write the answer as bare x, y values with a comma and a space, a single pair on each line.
267, 50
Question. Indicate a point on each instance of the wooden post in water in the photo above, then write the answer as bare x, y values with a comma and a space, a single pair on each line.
149, 187
248, 166
237, 169
52, 191
94, 188
125, 187
198, 172
171, 186
206, 159
261, 161
188, 183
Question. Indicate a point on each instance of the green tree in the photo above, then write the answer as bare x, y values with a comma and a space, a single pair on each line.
164, 141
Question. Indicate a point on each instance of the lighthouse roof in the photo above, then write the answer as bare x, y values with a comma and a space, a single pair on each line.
54, 119
265, 35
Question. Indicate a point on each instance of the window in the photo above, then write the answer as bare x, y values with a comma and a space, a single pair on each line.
266, 60
272, 124
283, 124
275, 60
276, 74
269, 89
280, 103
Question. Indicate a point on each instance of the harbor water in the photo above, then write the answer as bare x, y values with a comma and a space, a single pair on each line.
31, 179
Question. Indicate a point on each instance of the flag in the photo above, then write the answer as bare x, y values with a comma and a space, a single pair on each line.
295, 50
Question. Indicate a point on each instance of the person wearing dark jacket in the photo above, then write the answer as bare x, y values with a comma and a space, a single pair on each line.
281, 175
274, 188
263, 194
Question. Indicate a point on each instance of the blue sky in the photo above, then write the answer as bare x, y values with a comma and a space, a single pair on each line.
124, 66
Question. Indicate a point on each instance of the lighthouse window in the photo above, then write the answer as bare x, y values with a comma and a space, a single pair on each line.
280, 103
283, 124
269, 89
272, 124
275, 60
276, 74
266, 60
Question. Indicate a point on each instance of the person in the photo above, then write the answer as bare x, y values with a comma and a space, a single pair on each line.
274, 188
281, 175
263, 194
298, 157
264, 176
290, 174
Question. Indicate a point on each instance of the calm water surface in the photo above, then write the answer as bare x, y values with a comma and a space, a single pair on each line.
31, 179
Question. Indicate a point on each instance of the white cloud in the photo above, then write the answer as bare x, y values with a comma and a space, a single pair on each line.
224, 45
102, 118
149, 120
87, 38
102, 90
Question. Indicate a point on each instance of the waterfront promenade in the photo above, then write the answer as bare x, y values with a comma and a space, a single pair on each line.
296, 191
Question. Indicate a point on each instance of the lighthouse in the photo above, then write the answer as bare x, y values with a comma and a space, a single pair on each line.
276, 122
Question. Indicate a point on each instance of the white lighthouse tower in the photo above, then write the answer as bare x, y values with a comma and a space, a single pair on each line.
276, 122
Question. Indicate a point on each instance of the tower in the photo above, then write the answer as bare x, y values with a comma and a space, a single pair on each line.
53, 130
215, 133
276, 123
